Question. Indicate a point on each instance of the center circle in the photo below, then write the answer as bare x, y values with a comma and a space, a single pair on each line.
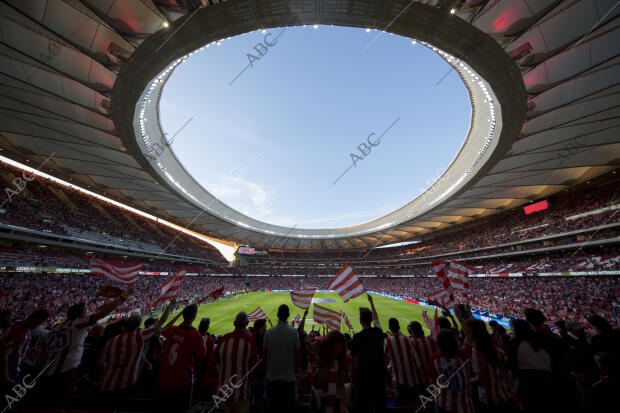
277, 117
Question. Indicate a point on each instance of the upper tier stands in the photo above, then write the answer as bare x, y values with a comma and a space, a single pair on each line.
588, 213
45, 205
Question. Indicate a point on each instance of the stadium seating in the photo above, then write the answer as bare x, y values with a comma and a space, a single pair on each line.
572, 217
44, 205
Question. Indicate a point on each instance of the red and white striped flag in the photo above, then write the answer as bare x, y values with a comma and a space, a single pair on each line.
170, 287
432, 325
122, 273
346, 320
427, 320
257, 314
213, 295
458, 272
330, 318
444, 297
440, 268
302, 298
347, 284
296, 320
435, 329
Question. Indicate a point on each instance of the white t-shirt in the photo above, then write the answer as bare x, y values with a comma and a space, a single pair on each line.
65, 345
530, 359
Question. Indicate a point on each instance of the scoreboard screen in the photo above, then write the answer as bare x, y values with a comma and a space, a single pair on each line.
246, 250
536, 207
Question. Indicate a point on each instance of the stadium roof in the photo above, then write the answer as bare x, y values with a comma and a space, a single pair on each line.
72, 72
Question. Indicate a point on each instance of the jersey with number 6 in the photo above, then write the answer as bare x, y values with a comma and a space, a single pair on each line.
183, 350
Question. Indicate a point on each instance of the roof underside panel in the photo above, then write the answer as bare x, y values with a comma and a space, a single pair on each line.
59, 61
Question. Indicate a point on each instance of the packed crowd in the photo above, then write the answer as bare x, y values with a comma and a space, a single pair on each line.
48, 206
86, 345
49, 258
571, 298
491, 232
592, 259
464, 366
23, 293
45, 205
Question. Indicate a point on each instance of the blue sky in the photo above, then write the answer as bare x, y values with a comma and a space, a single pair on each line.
272, 143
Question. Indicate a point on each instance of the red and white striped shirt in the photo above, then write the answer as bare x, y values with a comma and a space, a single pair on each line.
120, 359
423, 347
493, 384
236, 353
404, 361
455, 386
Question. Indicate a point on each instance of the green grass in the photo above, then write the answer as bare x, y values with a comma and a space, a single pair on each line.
222, 312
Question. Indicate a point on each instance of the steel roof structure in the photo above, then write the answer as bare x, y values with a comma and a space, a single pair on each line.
74, 74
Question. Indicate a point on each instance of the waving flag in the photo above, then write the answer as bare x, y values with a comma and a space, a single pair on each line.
347, 284
302, 298
123, 274
346, 320
440, 268
257, 314
427, 320
330, 318
432, 325
458, 272
109, 291
213, 295
170, 287
444, 297
435, 329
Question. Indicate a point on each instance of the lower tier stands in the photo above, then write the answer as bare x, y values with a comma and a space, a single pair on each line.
572, 298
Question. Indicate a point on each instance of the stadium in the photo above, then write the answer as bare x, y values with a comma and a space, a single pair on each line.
137, 274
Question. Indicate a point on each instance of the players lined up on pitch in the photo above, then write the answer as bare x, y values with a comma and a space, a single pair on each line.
284, 369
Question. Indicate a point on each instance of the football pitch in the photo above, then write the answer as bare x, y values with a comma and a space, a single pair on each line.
222, 313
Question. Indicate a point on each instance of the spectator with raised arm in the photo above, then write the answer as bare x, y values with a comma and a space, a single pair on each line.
65, 347
121, 357
423, 347
13, 346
